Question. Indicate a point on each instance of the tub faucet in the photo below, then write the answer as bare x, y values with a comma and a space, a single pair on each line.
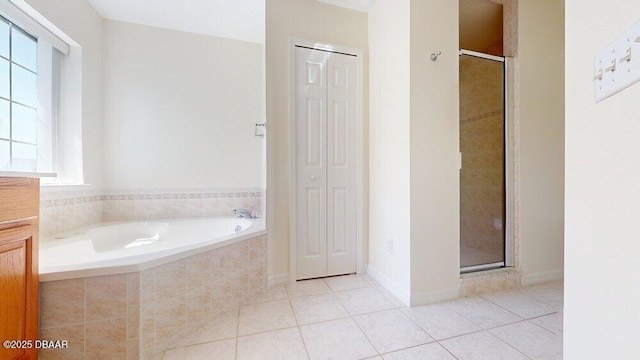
244, 213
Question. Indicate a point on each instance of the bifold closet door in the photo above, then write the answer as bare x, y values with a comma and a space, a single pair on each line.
326, 157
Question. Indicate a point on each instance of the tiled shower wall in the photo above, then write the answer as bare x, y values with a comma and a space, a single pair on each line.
482, 147
64, 210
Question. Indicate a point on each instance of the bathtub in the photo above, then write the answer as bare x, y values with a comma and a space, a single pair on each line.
145, 286
122, 247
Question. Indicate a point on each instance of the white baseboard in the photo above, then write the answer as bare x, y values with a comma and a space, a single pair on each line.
432, 297
404, 296
280, 279
542, 277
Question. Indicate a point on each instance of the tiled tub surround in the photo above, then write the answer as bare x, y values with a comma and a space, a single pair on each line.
139, 315
61, 211
64, 210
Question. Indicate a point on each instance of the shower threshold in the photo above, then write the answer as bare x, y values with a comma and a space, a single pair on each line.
482, 267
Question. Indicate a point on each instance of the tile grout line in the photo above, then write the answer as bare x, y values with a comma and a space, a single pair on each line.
365, 336
237, 331
502, 307
304, 344
418, 325
511, 346
542, 327
447, 350
520, 316
521, 293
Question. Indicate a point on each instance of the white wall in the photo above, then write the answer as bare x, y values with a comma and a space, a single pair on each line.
540, 75
435, 177
180, 109
602, 235
80, 21
389, 145
310, 20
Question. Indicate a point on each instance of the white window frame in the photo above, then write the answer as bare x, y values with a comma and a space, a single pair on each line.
67, 154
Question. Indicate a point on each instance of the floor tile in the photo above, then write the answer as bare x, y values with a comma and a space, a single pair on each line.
362, 301
432, 351
544, 293
353, 317
481, 346
337, 339
307, 288
219, 350
482, 312
259, 317
275, 293
391, 330
555, 284
440, 321
223, 327
273, 345
519, 303
531, 340
348, 282
317, 308
386, 293
551, 322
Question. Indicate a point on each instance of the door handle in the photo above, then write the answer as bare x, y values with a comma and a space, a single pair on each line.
312, 178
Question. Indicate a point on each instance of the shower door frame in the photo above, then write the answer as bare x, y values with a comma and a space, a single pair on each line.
508, 151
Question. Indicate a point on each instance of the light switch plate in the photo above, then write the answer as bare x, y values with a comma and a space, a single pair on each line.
617, 66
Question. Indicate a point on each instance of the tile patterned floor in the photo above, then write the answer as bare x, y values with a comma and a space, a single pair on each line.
352, 317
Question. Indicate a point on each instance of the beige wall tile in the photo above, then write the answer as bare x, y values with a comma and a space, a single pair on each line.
106, 339
147, 286
62, 302
170, 318
170, 280
198, 271
133, 321
74, 334
106, 297
133, 349
198, 301
133, 288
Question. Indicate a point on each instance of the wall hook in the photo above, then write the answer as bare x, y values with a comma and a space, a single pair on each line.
434, 56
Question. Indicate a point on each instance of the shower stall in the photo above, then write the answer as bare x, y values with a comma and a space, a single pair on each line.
482, 176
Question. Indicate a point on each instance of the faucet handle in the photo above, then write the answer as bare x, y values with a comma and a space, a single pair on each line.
245, 213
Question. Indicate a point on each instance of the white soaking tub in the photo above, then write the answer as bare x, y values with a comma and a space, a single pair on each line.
145, 286
122, 247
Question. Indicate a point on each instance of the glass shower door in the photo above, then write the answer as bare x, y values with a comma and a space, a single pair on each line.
482, 177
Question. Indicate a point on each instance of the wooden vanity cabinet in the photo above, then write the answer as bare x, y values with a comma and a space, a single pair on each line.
19, 207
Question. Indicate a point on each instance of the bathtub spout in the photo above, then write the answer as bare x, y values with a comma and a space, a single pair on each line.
245, 213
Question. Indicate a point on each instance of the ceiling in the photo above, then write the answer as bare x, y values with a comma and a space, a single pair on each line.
360, 5
481, 26
234, 19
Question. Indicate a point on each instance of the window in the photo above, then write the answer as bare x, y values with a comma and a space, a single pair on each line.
40, 97
27, 83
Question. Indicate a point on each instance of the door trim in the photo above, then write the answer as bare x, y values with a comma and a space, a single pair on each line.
315, 45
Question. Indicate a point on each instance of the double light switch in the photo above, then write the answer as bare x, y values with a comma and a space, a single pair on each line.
617, 66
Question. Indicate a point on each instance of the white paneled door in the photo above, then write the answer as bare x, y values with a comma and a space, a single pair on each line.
326, 162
